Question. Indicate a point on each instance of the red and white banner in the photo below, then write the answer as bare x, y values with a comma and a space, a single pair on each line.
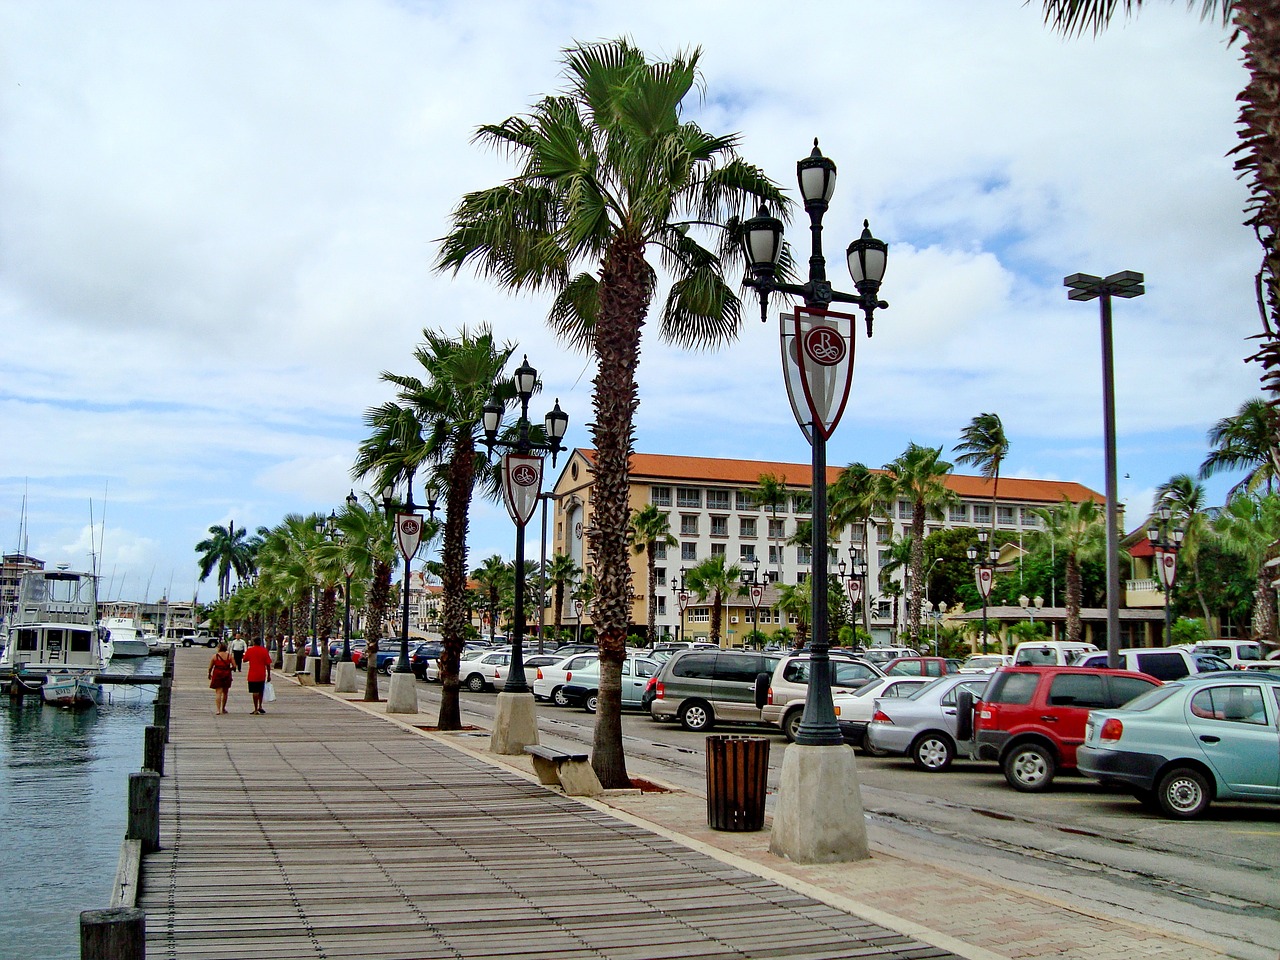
683, 597
1167, 562
409, 533
521, 485
824, 353
984, 577
855, 591
757, 594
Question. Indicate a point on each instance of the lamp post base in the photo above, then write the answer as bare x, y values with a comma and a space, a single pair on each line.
345, 678
403, 695
819, 817
515, 726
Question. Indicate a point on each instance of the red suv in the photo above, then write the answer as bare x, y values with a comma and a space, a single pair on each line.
1032, 719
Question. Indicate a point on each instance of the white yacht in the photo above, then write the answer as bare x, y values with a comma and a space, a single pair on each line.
54, 639
124, 639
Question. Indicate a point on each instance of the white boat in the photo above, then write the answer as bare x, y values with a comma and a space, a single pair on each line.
53, 636
124, 639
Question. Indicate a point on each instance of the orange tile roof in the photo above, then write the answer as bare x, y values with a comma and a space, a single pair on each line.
746, 474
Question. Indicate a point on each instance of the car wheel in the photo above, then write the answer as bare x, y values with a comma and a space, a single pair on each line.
592, 703
475, 683
388, 668
791, 724
1029, 767
932, 752
558, 697
697, 716
1183, 793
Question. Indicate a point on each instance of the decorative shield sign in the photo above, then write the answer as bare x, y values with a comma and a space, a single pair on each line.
823, 348
791, 374
521, 484
408, 533
1167, 560
683, 597
577, 608
984, 577
855, 590
757, 594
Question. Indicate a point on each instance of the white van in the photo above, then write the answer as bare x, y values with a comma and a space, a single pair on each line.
1163, 663
1238, 653
1050, 653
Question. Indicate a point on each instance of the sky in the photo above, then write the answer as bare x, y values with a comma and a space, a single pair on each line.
218, 223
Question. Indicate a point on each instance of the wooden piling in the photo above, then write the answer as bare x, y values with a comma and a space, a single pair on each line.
153, 741
117, 933
144, 810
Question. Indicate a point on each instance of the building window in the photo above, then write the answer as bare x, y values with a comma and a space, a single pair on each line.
959, 513
717, 549
659, 550
777, 529
906, 510
688, 525
688, 551
717, 499
662, 606
1004, 516
884, 533
747, 552
660, 496
882, 559
743, 500
719, 526
1029, 518
774, 554
804, 555
661, 574
802, 503
981, 513
747, 527
688, 497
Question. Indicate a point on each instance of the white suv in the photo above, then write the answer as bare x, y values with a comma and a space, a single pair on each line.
1163, 663
784, 702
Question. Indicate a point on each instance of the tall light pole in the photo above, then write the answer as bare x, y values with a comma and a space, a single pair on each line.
682, 600
348, 568
515, 725
984, 558
1126, 284
403, 697
755, 592
1167, 541
817, 354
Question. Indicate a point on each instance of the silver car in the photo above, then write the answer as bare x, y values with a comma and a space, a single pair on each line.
924, 725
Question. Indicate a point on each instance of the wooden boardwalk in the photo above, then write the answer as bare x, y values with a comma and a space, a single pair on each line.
319, 831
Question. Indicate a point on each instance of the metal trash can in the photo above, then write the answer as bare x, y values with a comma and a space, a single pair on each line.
737, 780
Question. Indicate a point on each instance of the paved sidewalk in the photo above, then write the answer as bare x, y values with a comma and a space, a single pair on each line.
359, 810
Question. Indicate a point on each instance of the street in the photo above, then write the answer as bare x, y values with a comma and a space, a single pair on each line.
1077, 842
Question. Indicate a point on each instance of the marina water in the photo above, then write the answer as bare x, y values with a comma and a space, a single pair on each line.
64, 803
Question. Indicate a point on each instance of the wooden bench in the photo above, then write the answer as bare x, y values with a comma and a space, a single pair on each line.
570, 771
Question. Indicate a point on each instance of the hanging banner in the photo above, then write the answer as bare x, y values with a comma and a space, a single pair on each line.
855, 591
791, 374
409, 533
1167, 561
683, 597
824, 354
984, 577
521, 485
757, 594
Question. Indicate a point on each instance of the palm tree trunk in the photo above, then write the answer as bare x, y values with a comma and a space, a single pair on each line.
328, 605
375, 613
917, 572
1073, 599
625, 290
453, 555
651, 554
717, 617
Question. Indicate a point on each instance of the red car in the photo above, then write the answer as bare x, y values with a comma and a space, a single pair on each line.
920, 667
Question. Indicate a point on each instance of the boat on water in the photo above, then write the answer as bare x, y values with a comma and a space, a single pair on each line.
124, 640
54, 640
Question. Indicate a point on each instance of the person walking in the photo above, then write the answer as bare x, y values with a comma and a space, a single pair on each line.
259, 672
221, 668
237, 650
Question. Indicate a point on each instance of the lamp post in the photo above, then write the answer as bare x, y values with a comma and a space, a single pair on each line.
1126, 284
817, 354
348, 569
515, 725
682, 599
1166, 548
929, 604
578, 606
856, 584
1031, 606
755, 592
984, 557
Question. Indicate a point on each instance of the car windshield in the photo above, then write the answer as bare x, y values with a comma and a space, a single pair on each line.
931, 685
1211, 664
1145, 701
870, 687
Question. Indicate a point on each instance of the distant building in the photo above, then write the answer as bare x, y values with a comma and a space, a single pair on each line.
711, 511
12, 567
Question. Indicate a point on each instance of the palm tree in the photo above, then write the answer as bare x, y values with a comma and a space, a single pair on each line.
1186, 500
561, 570
494, 576
919, 476
1246, 441
1257, 24
1247, 527
370, 548
226, 549
650, 527
715, 578
770, 493
608, 172
985, 446
794, 599
854, 499
1077, 532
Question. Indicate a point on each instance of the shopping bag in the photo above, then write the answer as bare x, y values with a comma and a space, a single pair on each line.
268, 692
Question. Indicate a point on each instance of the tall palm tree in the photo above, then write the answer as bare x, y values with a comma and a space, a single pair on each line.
561, 570
919, 476
608, 172
1187, 501
717, 579
1077, 532
854, 500
794, 599
1246, 441
984, 445
650, 527
1247, 527
370, 548
770, 493
1257, 25
226, 549
494, 576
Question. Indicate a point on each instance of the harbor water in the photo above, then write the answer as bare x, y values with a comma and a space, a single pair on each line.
64, 800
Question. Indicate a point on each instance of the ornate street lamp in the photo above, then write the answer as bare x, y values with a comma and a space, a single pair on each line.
521, 488
348, 569
1083, 286
984, 562
408, 538
1166, 548
755, 592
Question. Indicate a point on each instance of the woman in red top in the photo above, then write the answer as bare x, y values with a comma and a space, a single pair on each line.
258, 671
220, 669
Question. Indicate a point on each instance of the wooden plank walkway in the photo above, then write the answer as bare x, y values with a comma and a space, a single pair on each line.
319, 831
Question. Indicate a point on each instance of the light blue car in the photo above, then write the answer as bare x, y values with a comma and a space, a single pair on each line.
1187, 743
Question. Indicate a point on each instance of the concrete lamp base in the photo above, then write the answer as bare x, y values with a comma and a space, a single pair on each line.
345, 678
819, 816
403, 696
516, 724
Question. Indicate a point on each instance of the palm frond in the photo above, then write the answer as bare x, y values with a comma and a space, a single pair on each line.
574, 312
